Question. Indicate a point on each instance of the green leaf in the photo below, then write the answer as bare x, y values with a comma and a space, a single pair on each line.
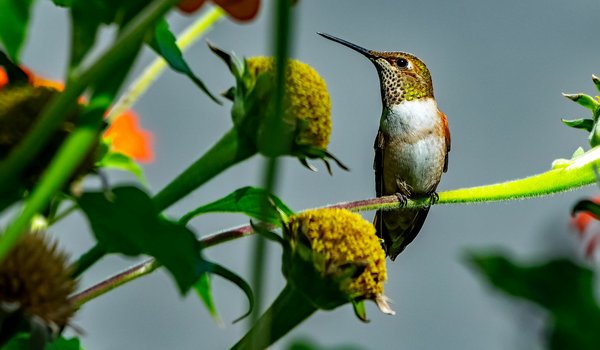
88, 15
126, 221
233, 63
203, 290
307, 344
63, 3
583, 100
360, 310
14, 18
563, 288
248, 200
14, 73
64, 344
165, 44
596, 81
120, 161
585, 124
22, 341
235, 279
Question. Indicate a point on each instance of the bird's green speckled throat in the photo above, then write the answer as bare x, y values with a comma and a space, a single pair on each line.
404, 77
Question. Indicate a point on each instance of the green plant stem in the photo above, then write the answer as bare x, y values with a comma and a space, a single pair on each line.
575, 174
79, 142
225, 153
277, 142
149, 266
287, 311
259, 250
115, 281
189, 36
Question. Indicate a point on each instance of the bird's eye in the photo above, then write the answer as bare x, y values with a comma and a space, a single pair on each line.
402, 62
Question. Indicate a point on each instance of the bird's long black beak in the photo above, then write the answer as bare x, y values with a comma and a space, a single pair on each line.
361, 50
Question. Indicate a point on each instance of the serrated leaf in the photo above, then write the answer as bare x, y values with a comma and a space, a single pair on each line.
204, 292
165, 44
563, 288
248, 200
585, 124
120, 161
126, 221
14, 18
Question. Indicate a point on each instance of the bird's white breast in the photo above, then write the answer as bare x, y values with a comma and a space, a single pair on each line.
410, 117
414, 147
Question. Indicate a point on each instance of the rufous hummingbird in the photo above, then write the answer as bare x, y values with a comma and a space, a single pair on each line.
412, 145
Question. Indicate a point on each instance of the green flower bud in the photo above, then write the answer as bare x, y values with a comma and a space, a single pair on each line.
306, 121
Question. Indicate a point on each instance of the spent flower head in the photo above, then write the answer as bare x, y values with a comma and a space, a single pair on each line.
20, 109
35, 277
123, 135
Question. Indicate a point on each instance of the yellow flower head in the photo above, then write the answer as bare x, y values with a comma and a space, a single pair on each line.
341, 238
35, 276
307, 99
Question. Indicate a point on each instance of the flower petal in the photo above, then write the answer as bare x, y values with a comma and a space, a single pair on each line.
242, 10
127, 137
592, 246
189, 6
581, 220
3, 78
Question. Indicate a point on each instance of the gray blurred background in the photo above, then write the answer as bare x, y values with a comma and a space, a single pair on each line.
498, 68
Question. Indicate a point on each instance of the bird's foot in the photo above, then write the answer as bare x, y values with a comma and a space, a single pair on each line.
402, 199
433, 198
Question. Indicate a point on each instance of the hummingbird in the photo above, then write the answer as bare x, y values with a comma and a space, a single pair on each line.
411, 146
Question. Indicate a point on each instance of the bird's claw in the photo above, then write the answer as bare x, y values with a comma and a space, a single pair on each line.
402, 199
433, 198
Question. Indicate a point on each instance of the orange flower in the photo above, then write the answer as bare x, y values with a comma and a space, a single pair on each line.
3, 78
242, 10
581, 220
126, 135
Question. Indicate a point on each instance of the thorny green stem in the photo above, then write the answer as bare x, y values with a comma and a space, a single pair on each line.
573, 174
